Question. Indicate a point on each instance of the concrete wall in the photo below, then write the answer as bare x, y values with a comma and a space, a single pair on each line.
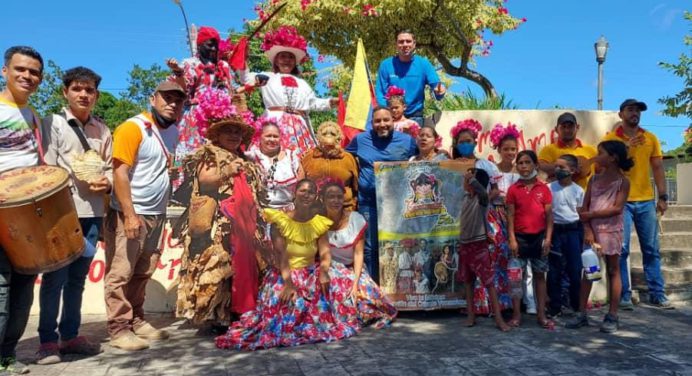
684, 181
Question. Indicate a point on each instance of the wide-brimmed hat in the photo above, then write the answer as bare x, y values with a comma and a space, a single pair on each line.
285, 39
216, 128
217, 110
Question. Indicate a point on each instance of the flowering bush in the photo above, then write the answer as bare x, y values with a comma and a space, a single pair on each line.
470, 125
500, 132
394, 91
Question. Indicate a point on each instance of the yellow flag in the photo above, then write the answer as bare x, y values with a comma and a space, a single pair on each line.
360, 99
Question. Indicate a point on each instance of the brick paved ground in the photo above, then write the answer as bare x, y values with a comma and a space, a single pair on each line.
650, 342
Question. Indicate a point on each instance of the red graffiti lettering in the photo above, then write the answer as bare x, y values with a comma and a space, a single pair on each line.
160, 266
38, 280
483, 140
97, 270
172, 271
535, 142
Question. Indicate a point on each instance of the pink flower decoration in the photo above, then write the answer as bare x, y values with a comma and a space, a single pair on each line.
394, 91
502, 10
369, 10
500, 133
320, 58
213, 105
470, 125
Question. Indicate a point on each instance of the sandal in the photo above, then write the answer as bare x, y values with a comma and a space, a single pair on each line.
546, 324
515, 323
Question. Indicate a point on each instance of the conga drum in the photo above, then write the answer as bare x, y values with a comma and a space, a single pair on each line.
39, 227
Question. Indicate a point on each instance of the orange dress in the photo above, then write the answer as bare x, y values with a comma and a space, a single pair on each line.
343, 167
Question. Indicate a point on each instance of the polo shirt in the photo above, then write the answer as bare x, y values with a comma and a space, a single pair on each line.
551, 152
529, 206
641, 149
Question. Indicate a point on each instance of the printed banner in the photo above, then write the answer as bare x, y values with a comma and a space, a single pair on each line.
418, 206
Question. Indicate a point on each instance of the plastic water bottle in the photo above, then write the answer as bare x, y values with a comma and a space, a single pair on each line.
592, 266
88, 249
514, 273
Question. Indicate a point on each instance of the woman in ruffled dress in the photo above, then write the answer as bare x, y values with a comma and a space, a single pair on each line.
280, 167
464, 138
293, 306
287, 97
346, 244
219, 276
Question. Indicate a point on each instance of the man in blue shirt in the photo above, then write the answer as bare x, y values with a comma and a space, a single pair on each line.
380, 144
411, 73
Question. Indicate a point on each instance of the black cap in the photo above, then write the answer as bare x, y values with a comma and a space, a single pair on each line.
633, 102
567, 117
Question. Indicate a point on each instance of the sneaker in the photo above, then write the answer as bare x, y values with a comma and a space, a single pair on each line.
661, 302
48, 353
147, 331
626, 305
11, 366
610, 324
129, 341
580, 319
80, 345
531, 309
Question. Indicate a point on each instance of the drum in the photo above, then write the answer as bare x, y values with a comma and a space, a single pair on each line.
39, 227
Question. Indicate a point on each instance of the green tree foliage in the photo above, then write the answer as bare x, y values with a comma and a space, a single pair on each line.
680, 104
114, 111
48, 99
468, 101
142, 83
451, 32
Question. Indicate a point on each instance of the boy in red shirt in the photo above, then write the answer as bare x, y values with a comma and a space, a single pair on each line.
530, 227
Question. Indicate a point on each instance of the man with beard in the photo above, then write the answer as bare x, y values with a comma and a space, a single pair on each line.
640, 210
411, 73
142, 152
568, 143
380, 144
199, 73
23, 72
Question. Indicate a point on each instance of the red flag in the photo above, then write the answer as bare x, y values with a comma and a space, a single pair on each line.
238, 56
349, 132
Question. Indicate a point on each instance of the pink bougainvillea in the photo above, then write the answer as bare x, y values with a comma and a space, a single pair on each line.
394, 91
286, 36
213, 105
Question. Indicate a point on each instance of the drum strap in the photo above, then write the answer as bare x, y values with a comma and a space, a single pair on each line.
79, 132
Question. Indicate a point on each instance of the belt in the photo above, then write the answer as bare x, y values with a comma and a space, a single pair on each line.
567, 226
287, 110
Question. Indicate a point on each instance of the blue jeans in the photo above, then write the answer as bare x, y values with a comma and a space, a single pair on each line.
565, 257
16, 297
67, 282
643, 215
371, 253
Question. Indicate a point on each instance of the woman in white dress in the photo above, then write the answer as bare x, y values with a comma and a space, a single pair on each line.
288, 99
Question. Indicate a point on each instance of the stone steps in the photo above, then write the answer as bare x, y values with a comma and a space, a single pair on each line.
669, 240
674, 257
676, 224
676, 292
671, 275
679, 211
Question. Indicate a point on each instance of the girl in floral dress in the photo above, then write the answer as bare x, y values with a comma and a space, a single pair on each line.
288, 98
293, 306
346, 244
464, 136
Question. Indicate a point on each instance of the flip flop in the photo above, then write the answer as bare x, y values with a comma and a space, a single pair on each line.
514, 323
546, 324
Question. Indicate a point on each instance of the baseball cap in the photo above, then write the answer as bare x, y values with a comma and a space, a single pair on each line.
567, 117
170, 86
633, 102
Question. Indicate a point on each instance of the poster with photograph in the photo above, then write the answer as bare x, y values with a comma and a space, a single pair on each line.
418, 205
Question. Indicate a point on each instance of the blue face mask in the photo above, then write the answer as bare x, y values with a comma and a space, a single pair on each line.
466, 149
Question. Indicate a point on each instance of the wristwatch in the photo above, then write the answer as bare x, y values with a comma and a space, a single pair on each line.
663, 197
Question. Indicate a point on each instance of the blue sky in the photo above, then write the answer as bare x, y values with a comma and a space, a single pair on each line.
549, 61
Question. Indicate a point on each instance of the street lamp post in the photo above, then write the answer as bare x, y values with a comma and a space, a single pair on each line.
179, 3
601, 47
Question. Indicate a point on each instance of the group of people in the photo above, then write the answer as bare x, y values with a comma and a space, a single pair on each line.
280, 226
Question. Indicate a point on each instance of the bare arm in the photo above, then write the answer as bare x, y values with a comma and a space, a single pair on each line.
325, 263
547, 167
660, 181
548, 229
617, 208
358, 263
280, 247
513, 246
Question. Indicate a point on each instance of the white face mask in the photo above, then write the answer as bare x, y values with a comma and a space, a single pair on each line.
530, 176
